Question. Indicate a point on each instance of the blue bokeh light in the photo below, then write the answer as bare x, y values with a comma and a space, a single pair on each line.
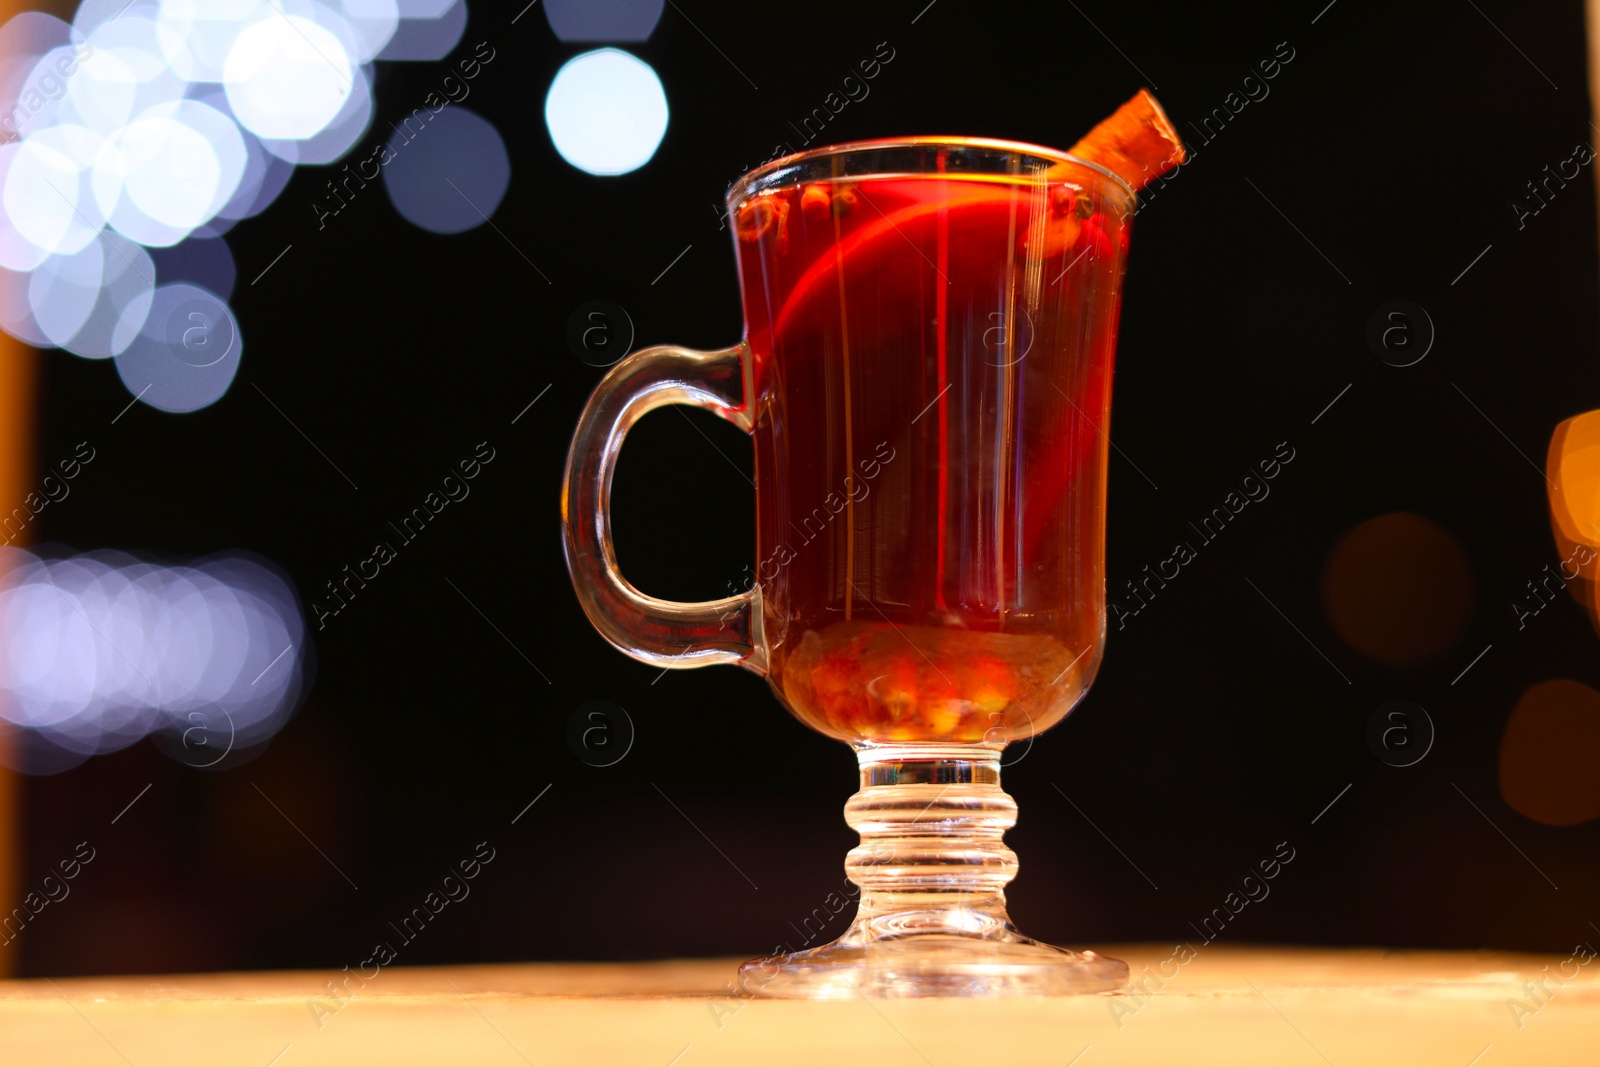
451, 175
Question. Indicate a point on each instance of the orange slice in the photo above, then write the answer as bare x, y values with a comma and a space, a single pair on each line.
890, 248
1137, 143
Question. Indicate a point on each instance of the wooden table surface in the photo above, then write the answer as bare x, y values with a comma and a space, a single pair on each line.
1227, 1005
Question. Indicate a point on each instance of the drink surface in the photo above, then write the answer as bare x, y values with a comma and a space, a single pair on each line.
932, 364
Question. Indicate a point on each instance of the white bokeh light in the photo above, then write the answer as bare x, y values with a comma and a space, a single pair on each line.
63, 291
227, 145
287, 78
340, 135
23, 40
199, 34
372, 23
45, 194
100, 650
606, 112
169, 171
92, 13
266, 174
104, 93
44, 98
122, 304
126, 74
17, 252
144, 123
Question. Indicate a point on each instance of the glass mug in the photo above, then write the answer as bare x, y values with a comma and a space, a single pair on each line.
926, 376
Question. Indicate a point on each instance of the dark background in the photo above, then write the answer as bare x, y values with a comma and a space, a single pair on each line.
1397, 140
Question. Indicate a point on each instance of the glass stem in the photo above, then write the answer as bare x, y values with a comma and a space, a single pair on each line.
932, 866
932, 859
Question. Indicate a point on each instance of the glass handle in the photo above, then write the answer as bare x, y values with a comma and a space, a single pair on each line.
664, 633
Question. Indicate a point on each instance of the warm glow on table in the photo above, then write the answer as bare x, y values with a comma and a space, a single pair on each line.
1226, 1006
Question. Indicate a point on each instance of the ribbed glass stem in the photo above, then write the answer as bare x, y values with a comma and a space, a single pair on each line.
932, 856
932, 866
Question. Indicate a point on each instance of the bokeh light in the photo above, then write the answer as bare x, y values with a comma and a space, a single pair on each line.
180, 163
428, 30
200, 261
603, 20
127, 284
265, 175
452, 176
16, 315
100, 650
161, 124
372, 24
186, 354
1572, 469
126, 74
1550, 754
1399, 588
287, 78
26, 37
340, 134
17, 252
46, 197
197, 35
606, 112
23, 40
63, 291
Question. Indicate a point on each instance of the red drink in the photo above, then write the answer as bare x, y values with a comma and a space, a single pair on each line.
932, 365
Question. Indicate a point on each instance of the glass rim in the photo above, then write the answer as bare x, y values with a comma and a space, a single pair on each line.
739, 188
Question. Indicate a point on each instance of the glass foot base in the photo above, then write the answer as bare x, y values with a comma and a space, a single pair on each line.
931, 920
933, 965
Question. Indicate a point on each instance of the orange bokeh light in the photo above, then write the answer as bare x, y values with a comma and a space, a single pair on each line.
1550, 754
1573, 471
1398, 588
